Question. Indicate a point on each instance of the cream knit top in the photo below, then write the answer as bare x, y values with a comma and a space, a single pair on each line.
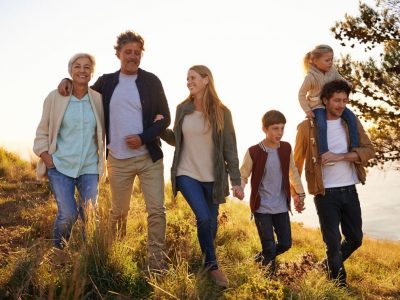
197, 148
311, 88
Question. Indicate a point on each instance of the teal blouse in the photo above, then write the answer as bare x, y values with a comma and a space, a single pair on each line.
76, 152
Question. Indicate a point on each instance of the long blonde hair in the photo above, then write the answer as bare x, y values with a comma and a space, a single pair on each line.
213, 109
316, 53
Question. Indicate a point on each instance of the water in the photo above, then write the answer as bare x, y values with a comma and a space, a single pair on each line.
380, 205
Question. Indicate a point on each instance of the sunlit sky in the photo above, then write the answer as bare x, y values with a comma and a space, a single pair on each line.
254, 49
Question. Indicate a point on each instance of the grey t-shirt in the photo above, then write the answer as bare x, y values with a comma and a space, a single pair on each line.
272, 193
125, 117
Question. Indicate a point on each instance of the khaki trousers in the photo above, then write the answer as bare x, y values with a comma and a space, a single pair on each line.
122, 173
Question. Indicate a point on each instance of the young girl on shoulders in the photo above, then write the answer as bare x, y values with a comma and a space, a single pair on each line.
318, 65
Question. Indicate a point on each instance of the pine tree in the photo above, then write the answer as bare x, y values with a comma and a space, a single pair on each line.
376, 82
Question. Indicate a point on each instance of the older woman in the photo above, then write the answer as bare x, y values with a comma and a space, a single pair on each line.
70, 143
205, 152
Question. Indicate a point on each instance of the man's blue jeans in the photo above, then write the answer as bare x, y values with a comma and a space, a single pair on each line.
267, 224
339, 206
199, 197
63, 188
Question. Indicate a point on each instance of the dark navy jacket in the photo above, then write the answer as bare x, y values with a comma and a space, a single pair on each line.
153, 102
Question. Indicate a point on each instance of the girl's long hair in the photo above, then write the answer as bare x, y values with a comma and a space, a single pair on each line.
213, 109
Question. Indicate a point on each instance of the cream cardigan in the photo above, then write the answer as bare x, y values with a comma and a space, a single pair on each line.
54, 108
311, 88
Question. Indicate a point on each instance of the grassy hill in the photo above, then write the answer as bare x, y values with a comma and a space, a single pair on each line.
99, 269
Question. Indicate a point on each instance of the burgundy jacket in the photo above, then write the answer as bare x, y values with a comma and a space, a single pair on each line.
259, 157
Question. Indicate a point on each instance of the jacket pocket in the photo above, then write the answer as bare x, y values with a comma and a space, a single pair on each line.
311, 179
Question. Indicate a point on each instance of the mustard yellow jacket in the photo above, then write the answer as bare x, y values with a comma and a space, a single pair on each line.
306, 149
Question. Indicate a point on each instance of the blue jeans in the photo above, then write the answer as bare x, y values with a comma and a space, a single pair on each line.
339, 207
199, 197
266, 225
320, 120
63, 188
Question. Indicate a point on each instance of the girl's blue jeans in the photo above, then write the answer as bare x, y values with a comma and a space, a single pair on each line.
199, 197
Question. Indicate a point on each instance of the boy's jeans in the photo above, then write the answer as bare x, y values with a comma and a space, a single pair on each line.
199, 197
63, 188
320, 120
267, 224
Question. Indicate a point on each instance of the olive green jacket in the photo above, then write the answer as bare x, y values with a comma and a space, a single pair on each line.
225, 152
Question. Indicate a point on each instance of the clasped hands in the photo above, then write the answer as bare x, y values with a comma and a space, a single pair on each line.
238, 192
330, 157
133, 141
299, 203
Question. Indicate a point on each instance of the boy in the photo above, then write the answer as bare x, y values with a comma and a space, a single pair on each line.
274, 179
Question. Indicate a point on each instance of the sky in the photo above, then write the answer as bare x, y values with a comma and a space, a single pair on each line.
254, 48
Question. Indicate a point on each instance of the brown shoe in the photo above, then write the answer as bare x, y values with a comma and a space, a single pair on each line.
58, 256
160, 268
157, 263
219, 278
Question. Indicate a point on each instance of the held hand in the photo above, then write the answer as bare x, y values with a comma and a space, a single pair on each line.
330, 157
298, 203
133, 141
47, 159
158, 118
65, 87
238, 192
310, 114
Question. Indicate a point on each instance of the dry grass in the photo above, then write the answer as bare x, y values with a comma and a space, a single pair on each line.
99, 269
14, 168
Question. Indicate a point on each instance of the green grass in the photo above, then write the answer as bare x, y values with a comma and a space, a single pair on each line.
99, 269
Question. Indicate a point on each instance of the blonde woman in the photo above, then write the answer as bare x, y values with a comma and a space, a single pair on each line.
70, 143
205, 153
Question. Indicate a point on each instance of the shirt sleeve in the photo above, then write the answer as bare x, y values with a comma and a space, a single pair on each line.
300, 148
41, 142
366, 150
160, 101
245, 169
294, 178
230, 149
305, 87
